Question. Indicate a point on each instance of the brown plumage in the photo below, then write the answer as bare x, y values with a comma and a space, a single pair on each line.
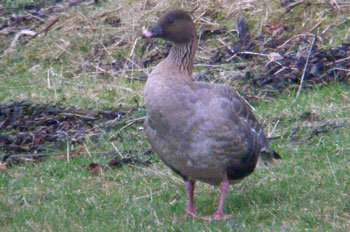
202, 131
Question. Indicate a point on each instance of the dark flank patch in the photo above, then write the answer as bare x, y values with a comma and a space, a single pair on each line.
185, 178
243, 168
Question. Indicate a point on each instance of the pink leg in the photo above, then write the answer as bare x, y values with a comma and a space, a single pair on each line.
219, 214
190, 211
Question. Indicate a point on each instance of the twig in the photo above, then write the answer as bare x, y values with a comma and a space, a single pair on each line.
105, 13
68, 152
289, 8
34, 155
29, 15
48, 79
280, 70
317, 129
116, 149
245, 100
17, 37
323, 33
37, 155
332, 169
294, 37
341, 69
63, 49
78, 115
317, 25
133, 47
341, 60
293, 5
132, 122
206, 21
87, 150
254, 53
46, 29
306, 64
148, 195
273, 129
64, 23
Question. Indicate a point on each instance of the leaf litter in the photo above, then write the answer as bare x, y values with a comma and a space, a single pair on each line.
35, 130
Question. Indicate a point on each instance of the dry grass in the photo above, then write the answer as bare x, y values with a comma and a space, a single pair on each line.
90, 41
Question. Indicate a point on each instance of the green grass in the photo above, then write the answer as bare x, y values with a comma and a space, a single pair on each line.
309, 191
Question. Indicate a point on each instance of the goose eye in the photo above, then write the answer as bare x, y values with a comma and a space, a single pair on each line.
171, 20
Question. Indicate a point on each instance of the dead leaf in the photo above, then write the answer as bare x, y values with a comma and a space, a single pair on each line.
274, 28
113, 21
3, 166
96, 169
114, 163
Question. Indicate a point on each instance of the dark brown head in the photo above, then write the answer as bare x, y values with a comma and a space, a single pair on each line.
176, 26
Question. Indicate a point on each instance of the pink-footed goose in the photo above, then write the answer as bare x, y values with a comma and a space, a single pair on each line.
202, 131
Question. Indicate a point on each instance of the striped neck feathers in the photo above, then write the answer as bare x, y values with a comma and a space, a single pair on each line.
182, 55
